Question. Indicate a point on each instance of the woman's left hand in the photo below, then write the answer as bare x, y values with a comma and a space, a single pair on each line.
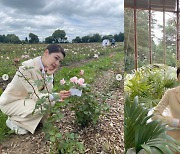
49, 72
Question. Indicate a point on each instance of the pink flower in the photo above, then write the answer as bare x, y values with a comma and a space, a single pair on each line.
62, 81
81, 72
74, 79
81, 81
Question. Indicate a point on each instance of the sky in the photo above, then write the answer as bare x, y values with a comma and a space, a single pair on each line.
159, 17
76, 17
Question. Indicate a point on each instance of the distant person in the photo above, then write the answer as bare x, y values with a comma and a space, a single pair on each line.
18, 100
113, 42
170, 102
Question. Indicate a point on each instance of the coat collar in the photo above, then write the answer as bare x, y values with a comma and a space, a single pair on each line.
37, 63
38, 67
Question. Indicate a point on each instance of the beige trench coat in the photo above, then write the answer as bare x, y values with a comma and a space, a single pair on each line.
15, 102
171, 99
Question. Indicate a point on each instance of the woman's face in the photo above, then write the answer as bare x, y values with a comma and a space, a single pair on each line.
52, 61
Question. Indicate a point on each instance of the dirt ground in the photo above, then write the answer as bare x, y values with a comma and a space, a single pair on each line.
107, 137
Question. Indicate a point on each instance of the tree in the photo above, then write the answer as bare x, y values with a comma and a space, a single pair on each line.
95, 38
26, 40
2, 38
33, 38
49, 39
170, 30
77, 40
119, 37
85, 39
105, 37
142, 37
12, 38
59, 36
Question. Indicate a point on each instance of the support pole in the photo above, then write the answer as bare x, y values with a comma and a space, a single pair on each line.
135, 38
150, 41
177, 33
164, 34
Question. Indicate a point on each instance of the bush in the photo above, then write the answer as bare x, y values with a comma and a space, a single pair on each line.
139, 134
87, 109
149, 83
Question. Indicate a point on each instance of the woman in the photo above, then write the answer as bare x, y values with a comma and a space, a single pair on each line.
19, 98
171, 101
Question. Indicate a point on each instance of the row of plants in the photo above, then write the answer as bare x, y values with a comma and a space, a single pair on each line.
75, 53
144, 89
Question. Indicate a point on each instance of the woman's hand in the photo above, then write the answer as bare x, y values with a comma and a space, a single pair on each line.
64, 94
49, 72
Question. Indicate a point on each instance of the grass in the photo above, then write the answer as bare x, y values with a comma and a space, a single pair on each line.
4, 130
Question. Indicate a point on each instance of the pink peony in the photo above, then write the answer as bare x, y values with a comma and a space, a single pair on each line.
62, 81
81, 81
74, 79
81, 72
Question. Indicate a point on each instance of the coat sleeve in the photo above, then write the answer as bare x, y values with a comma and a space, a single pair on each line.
26, 78
159, 109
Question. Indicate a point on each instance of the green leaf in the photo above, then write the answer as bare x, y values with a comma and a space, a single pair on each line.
58, 135
146, 148
52, 139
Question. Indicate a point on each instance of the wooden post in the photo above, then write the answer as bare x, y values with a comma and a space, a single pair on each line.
164, 34
177, 32
150, 41
135, 38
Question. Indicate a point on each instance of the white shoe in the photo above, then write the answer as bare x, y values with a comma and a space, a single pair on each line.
18, 130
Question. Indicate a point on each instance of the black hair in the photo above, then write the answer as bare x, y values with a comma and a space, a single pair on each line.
178, 71
54, 48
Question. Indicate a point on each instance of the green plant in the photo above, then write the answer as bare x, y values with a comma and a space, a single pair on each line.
1, 91
87, 109
61, 143
139, 134
3, 128
149, 83
69, 145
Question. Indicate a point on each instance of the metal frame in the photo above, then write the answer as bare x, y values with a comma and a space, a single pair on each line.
165, 7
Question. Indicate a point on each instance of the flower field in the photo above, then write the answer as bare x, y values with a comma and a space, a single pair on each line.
75, 53
92, 123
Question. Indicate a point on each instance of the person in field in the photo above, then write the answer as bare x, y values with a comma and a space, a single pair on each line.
113, 42
19, 98
167, 111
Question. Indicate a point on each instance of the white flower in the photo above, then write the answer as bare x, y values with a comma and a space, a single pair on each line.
96, 56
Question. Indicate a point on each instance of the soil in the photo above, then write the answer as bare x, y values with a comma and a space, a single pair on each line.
107, 137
